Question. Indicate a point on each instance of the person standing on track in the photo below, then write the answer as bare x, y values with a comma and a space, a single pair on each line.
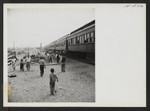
42, 64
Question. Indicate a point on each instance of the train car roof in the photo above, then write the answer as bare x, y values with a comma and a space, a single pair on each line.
86, 25
63, 37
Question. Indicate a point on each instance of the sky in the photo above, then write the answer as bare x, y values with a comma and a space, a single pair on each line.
30, 27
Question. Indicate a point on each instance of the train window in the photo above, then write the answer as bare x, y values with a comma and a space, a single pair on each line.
88, 35
88, 39
64, 42
70, 41
92, 34
85, 38
74, 40
80, 39
77, 40
92, 39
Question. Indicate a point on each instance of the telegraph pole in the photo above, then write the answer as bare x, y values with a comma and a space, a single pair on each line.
13, 45
14, 48
41, 45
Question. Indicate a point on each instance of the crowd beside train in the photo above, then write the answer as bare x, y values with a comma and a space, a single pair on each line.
43, 61
47, 58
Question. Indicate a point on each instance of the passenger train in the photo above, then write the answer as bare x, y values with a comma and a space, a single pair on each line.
79, 44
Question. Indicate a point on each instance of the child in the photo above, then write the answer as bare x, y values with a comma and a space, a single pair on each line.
53, 78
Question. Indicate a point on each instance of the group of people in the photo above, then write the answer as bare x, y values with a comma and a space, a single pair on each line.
53, 78
25, 61
42, 63
51, 58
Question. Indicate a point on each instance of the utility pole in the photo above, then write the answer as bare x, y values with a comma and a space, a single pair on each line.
41, 46
13, 45
14, 48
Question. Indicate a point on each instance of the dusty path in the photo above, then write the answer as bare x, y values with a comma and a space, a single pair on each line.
77, 84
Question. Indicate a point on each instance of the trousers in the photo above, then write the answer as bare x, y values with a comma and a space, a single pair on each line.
63, 67
41, 70
52, 87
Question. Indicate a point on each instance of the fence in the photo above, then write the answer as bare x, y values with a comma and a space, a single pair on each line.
9, 59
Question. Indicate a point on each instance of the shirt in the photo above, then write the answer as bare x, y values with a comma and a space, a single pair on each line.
13, 61
63, 60
53, 78
28, 59
42, 62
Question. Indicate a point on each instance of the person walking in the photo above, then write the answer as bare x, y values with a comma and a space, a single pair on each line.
21, 65
47, 58
28, 60
53, 57
53, 79
63, 63
42, 64
58, 58
13, 63
50, 58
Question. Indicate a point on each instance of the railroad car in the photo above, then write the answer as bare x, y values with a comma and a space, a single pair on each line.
61, 44
81, 42
50, 47
78, 44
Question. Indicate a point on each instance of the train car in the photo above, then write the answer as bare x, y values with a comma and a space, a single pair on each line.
78, 44
81, 42
61, 44
50, 47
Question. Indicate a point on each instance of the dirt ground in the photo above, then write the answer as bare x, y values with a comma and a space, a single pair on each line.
77, 84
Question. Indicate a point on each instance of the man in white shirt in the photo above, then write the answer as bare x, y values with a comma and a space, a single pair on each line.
28, 60
42, 64
13, 63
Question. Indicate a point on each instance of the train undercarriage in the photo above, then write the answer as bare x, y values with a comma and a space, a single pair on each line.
82, 56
